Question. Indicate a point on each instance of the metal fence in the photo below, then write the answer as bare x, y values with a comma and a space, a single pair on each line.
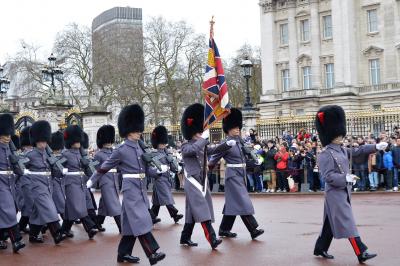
358, 124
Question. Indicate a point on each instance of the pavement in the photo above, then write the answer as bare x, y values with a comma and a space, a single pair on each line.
291, 222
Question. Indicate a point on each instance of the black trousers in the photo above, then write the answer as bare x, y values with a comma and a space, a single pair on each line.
148, 242
23, 222
12, 232
54, 228
87, 223
228, 220
207, 228
117, 219
325, 239
171, 209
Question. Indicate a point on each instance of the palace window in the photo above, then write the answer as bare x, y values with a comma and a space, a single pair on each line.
327, 23
372, 20
306, 78
284, 34
305, 30
285, 79
329, 76
374, 71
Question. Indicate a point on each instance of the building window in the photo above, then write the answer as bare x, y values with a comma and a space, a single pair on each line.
284, 34
300, 112
329, 76
374, 71
372, 20
306, 78
305, 30
327, 23
285, 79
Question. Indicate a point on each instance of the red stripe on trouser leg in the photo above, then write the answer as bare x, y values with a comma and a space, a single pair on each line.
11, 234
355, 246
204, 225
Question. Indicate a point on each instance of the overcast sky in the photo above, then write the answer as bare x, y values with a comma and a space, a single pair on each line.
38, 21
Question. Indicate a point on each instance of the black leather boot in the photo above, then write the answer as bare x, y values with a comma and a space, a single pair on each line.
178, 217
18, 245
323, 254
215, 243
366, 256
3, 244
226, 234
128, 258
36, 239
188, 243
156, 257
256, 233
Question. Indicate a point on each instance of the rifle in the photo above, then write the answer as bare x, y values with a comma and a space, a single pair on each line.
18, 162
88, 164
149, 156
248, 151
171, 159
55, 163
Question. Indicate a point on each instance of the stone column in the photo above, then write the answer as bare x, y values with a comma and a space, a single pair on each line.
268, 50
250, 117
387, 27
315, 45
293, 47
338, 42
92, 120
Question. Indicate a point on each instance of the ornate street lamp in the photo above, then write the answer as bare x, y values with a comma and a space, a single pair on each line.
4, 83
51, 72
247, 67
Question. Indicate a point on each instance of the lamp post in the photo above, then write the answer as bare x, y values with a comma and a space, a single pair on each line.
52, 72
247, 67
4, 84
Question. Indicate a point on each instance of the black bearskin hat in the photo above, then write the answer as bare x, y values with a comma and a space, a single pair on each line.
72, 134
105, 135
159, 136
192, 120
57, 141
130, 119
85, 141
330, 122
24, 137
234, 119
40, 131
17, 143
6, 125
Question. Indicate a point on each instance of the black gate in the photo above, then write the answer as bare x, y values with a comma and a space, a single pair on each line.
74, 119
22, 122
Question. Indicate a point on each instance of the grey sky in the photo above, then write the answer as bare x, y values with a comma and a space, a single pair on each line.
38, 21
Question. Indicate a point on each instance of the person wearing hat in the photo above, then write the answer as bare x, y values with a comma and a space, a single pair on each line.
57, 145
75, 188
333, 163
136, 221
8, 213
199, 207
109, 204
24, 183
44, 211
237, 199
162, 195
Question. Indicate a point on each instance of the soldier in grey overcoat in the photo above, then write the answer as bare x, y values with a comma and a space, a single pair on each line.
24, 183
135, 218
44, 211
333, 163
8, 213
57, 145
199, 207
109, 204
162, 195
237, 199
75, 184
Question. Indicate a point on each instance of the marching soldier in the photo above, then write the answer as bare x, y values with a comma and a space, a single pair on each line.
136, 220
24, 184
44, 211
57, 145
199, 207
237, 199
109, 204
333, 162
162, 195
75, 187
8, 213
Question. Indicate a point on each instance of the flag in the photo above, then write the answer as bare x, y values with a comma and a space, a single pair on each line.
215, 90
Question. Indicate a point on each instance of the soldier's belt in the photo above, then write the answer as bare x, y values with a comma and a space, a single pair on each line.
74, 173
112, 170
236, 165
6, 172
139, 176
27, 172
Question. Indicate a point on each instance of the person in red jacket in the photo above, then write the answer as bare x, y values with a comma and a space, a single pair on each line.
281, 158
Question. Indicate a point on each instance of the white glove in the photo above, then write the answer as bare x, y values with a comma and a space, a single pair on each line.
89, 183
179, 168
164, 168
65, 171
206, 134
231, 142
259, 161
381, 146
351, 178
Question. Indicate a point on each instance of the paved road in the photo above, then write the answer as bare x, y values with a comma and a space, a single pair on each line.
292, 223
